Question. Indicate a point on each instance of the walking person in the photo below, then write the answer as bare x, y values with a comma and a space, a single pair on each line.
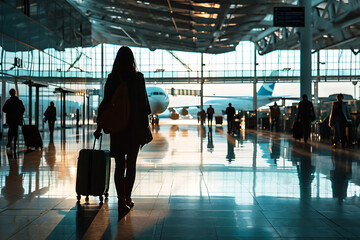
339, 116
230, 112
14, 109
202, 117
275, 114
50, 117
124, 145
77, 118
306, 115
210, 113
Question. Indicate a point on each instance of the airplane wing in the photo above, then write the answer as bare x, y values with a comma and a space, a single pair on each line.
194, 105
237, 97
286, 98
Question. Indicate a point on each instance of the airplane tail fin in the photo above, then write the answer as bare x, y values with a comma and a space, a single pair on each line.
266, 89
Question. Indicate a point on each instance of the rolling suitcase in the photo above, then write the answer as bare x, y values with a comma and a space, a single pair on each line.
218, 120
93, 173
297, 130
32, 136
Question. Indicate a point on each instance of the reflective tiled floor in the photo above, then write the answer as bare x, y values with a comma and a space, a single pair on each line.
192, 183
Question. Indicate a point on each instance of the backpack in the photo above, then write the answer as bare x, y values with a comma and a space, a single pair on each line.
115, 116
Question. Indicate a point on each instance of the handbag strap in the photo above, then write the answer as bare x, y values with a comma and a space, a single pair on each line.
95, 142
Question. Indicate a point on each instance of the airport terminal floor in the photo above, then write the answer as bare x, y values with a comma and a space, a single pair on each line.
192, 182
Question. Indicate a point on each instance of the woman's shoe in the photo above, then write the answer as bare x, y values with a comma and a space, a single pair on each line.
123, 207
131, 204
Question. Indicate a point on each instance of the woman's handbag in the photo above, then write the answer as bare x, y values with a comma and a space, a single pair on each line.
147, 136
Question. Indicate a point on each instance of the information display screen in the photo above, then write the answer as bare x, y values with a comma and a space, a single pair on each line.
289, 16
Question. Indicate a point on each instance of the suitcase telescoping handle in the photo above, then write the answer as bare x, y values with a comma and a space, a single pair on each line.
100, 142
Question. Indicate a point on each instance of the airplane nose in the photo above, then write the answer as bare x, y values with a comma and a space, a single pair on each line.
157, 106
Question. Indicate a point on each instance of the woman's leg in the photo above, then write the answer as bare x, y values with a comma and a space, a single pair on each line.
131, 171
119, 176
10, 135
49, 122
52, 127
337, 129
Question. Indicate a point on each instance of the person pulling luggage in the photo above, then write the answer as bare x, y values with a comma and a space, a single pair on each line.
125, 143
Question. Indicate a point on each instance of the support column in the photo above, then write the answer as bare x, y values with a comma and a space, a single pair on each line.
88, 110
84, 109
30, 104
202, 83
61, 110
255, 90
63, 116
37, 107
101, 94
316, 83
3, 99
305, 51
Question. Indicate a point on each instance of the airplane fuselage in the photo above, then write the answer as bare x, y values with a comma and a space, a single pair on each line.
158, 99
220, 105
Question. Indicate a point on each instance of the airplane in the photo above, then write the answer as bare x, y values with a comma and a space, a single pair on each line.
159, 102
264, 96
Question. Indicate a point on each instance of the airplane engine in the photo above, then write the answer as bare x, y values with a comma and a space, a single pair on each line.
174, 115
184, 112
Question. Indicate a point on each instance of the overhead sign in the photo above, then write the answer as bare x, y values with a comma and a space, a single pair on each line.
289, 16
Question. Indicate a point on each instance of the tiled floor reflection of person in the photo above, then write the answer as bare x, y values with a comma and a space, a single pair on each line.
202, 131
210, 144
230, 156
50, 155
77, 135
341, 174
13, 189
305, 171
31, 164
274, 149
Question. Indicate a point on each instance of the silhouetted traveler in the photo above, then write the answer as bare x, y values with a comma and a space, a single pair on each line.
339, 116
124, 145
275, 114
14, 109
306, 115
50, 116
210, 113
77, 118
202, 116
230, 112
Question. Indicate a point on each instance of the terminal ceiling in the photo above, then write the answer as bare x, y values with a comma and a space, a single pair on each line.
217, 26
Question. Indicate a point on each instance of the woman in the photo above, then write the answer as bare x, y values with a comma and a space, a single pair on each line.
339, 116
124, 145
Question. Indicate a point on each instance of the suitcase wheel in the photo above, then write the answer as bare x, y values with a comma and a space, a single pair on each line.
106, 195
78, 198
101, 198
87, 198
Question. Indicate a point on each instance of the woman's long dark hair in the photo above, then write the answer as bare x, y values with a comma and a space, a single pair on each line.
124, 61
